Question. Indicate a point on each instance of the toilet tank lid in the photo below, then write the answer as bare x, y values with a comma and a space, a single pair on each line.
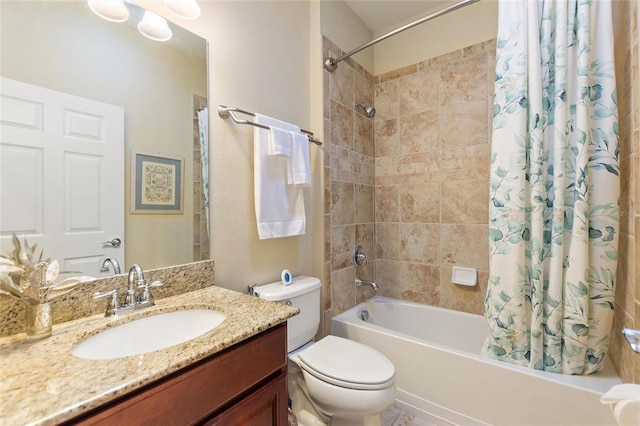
277, 291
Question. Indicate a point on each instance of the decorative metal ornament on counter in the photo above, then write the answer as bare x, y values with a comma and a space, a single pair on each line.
31, 279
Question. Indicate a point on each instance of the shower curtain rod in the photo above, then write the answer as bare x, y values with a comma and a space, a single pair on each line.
331, 64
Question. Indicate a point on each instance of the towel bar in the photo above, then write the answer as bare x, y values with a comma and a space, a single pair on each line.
226, 112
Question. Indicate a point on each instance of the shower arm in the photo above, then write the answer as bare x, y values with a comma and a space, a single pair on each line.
331, 64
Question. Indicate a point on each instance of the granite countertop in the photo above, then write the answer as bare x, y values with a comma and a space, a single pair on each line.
42, 383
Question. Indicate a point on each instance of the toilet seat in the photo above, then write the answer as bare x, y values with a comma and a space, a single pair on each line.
347, 364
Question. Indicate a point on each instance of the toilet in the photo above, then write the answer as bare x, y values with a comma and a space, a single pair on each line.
333, 381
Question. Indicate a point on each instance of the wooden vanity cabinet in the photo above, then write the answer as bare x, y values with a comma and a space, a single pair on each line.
244, 385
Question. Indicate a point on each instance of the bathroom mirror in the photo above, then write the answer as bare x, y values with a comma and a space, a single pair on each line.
65, 47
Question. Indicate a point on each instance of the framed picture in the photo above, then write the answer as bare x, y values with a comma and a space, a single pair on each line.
156, 183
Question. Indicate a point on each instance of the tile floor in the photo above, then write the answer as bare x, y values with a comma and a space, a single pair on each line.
396, 416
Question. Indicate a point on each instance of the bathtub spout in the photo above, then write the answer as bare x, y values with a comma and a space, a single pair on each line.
360, 282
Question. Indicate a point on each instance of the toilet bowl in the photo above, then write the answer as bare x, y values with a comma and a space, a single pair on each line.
346, 379
334, 380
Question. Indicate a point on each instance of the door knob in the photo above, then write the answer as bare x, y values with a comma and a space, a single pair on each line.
114, 243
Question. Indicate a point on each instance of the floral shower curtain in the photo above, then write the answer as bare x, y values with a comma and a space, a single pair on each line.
203, 131
554, 186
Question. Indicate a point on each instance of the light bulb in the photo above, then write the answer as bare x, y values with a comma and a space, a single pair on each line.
111, 10
185, 9
154, 27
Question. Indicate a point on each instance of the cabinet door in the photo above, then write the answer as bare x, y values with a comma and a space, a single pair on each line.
266, 406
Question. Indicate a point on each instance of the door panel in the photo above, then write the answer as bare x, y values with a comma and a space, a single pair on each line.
27, 163
62, 177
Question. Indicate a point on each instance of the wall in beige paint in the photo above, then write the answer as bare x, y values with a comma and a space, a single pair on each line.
458, 29
347, 31
259, 60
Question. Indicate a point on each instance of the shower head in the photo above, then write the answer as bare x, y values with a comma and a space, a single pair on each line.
368, 111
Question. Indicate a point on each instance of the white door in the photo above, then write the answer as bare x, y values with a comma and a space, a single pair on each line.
61, 175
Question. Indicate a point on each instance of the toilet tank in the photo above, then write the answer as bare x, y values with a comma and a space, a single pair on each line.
304, 294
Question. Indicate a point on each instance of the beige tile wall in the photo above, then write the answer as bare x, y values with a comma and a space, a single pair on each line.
626, 16
416, 198
432, 150
349, 181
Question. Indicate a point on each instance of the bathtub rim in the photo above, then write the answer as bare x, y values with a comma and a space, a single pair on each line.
597, 383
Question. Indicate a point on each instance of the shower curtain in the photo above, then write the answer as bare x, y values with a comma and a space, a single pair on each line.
554, 186
203, 130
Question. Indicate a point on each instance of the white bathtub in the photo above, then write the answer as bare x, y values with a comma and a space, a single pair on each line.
440, 372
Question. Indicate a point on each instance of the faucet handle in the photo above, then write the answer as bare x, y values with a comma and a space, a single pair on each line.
112, 305
146, 285
156, 283
358, 256
147, 296
101, 294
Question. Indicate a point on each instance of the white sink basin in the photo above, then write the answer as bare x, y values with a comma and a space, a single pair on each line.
149, 334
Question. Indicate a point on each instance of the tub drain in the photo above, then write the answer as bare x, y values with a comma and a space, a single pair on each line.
364, 315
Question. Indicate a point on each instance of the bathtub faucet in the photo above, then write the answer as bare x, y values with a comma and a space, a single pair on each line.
360, 282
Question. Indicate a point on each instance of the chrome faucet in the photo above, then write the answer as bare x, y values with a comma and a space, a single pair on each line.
360, 282
131, 301
113, 262
134, 271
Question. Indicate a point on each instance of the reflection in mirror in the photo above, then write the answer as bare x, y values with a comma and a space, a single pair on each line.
62, 49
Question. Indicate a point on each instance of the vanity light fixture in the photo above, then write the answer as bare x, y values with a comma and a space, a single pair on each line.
185, 9
111, 10
154, 27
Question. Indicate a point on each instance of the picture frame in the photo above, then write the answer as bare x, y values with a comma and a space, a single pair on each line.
157, 183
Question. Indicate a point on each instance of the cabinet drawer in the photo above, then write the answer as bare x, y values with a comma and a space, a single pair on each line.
198, 391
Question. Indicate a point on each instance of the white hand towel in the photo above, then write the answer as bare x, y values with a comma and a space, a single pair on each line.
279, 140
279, 206
299, 170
